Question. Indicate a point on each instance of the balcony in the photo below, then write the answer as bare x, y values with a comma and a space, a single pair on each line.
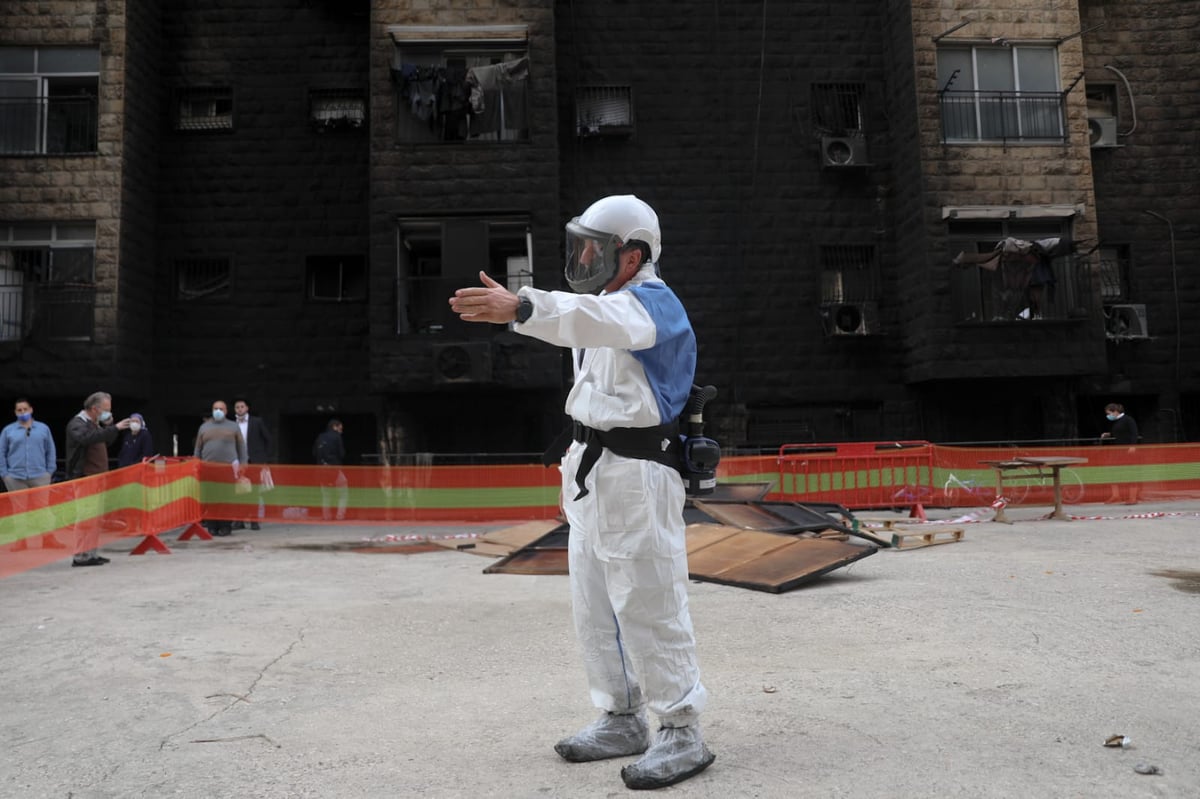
1002, 117
1016, 292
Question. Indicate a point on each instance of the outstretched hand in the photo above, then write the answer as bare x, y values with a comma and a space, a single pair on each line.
491, 302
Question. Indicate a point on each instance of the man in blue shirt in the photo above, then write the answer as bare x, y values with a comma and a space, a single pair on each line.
27, 459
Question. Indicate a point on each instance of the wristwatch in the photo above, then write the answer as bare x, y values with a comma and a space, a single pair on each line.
524, 309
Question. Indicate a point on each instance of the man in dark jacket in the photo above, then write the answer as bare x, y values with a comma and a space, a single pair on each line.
1124, 431
328, 450
88, 435
258, 449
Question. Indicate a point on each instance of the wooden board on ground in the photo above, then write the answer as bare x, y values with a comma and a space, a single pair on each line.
764, 561
474, 546
521, 535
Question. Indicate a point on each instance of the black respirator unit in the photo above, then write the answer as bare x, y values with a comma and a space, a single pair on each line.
700, 455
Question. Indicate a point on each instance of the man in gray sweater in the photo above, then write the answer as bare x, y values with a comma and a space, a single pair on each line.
219, 440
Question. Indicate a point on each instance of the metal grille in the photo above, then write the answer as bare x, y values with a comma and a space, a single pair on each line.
337, 108
837, 108
1002, 116
848, 274
197, 278
205, 109
604, 110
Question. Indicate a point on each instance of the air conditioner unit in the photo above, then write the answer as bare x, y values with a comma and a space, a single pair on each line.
1126, 321
851, 319
1102, 131
462, 362
843, 151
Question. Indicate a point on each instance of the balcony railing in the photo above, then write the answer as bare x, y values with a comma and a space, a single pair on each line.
47, 125
1013, 292
1003, 116
51, 311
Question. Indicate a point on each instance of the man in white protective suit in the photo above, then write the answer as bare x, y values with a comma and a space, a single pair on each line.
634, 355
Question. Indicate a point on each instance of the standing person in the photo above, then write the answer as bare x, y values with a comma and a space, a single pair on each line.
136, 443
258, 447
88, 435
219, 440
1124, 431
634, 354
329, 450
28, 459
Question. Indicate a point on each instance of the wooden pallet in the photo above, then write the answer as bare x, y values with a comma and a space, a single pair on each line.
926, 539
889, 533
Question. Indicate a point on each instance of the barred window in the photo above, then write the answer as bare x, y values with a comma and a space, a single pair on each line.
204, 109
201, 278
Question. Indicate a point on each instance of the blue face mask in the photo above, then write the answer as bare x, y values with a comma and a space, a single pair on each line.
24, 417
1112, 417
218, 414
105, 416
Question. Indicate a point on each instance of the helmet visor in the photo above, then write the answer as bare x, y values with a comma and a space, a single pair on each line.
592, 258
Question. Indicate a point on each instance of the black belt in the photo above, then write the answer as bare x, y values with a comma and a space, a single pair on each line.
659, 444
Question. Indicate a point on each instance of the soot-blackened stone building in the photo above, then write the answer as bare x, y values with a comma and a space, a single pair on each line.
888, 219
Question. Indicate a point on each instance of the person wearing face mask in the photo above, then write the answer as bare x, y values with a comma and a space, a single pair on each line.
1124, 431
136, 443
219, 440
634, 356
89, 434
28, 459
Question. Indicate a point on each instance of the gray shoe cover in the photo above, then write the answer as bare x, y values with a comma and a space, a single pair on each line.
677, 753
611, 735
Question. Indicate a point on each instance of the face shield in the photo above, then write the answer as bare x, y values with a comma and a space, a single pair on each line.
592, 258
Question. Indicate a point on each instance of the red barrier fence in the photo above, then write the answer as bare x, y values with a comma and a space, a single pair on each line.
42, 525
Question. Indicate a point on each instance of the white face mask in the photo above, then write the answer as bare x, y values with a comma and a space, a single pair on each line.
135, 427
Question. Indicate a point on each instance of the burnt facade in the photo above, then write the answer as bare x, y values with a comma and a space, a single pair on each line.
274, 201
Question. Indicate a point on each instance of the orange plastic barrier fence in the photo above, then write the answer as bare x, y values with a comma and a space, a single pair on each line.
873, 474
42, 525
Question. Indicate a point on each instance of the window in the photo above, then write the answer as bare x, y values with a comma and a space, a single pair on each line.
604, 111
47, 280
1112, 270
336, 109
472, 91
201, 278
207, 109
48, 100
336, 278
837, 108
1017, 271
1000, 93
848, 274
849, 289
438, 256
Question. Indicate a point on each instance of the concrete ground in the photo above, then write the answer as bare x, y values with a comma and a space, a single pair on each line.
267, 665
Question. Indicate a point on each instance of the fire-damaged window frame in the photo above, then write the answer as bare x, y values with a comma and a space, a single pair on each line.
204, 109
850, 288
335, 278
202, 278
461, 84
1021, 285
1017, 98
437, 254
48, 280
49, 100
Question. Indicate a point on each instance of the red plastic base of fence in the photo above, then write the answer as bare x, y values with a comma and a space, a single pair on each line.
148, 543
195, 530
918, 512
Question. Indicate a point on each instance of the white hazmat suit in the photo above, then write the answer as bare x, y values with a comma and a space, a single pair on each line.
635, 357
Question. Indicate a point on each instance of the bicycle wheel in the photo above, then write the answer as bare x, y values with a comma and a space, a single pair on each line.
1071, 486
1016, 492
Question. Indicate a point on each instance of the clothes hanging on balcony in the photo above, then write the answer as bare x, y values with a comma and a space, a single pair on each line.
498, 96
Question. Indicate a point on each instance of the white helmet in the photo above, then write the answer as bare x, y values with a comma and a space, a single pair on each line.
595, 238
